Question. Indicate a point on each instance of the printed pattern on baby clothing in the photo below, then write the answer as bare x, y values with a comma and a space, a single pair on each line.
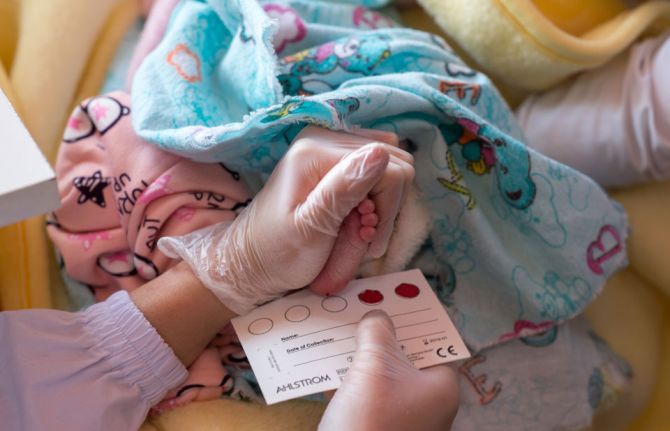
119, 196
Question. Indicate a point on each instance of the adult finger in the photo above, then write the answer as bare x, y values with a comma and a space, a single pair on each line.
346, 185
388, 196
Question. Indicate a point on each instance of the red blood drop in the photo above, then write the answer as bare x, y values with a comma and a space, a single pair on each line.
407, 290
370, 297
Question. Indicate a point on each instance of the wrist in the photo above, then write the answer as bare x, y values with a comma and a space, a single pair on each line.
185, 313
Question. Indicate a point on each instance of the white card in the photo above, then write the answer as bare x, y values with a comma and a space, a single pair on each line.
304, 343
27, 182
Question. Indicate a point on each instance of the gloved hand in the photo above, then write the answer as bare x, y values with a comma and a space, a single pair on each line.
284, 238
383, 390
352, 245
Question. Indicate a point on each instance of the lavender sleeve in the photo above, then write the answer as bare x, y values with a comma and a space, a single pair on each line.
100, 369
611, 123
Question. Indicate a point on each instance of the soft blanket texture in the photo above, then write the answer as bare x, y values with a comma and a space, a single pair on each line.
518, 243
221, 96
525, 51
639, 334
638, 295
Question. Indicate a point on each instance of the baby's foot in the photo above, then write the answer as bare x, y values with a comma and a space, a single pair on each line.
357, 232
382, 379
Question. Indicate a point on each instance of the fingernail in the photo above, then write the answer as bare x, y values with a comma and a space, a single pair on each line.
368, 160
376, 155
375, 313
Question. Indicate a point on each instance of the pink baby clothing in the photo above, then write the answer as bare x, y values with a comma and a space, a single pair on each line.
119, 196
611, 123
152, 34
100, 369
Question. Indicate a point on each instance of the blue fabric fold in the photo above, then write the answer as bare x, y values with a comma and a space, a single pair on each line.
524, 242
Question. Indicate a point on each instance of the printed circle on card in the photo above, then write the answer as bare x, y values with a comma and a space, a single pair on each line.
297, 313
334, 304
260, 326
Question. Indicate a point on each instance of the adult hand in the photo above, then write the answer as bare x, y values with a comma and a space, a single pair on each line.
285, 237
383, 390
351, 248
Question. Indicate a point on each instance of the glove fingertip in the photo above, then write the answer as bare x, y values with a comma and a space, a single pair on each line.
170, 247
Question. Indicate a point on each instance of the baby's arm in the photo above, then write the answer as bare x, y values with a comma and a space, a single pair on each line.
356, 234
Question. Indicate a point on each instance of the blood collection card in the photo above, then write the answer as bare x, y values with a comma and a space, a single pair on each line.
304, 343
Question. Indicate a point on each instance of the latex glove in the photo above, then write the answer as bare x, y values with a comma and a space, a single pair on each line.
388, 194
383, 390
350, 248
284, 238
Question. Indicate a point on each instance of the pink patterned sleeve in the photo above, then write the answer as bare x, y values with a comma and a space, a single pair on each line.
121, 194
99, 369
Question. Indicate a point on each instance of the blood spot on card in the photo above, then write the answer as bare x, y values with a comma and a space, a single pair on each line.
407, 290
370, 297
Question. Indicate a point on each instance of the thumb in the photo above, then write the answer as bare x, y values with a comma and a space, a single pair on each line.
377, 351
342, 189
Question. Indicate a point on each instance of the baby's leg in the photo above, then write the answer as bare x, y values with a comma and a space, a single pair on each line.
358, 230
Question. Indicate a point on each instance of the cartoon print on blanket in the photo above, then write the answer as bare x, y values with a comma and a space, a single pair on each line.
357, 55
504, 220
511, 163
577, 196
489, 195
370, 19
292, 28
